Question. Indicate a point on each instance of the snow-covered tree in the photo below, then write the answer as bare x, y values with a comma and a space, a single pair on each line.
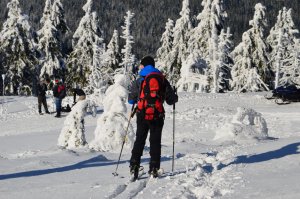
58, 17
112, 124
251, 57
214, 63
17, 48
291, 70
52, 62
163, 53
225, 45
88, 46
112, 54
47, 11
212, 16
283, 40
204, 46
244, 74
72, 134
181, 34
128, 58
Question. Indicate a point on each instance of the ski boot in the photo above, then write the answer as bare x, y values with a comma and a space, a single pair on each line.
134, 172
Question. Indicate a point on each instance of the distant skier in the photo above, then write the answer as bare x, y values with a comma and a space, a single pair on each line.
149, 91
59, 92
41, 94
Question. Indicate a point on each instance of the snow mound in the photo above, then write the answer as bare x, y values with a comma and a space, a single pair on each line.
246, 124
113, 126
73, 132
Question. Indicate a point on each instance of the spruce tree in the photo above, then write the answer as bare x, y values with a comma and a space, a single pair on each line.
163, 53
52, 62
128, 58
181, 34
251, 71
284, 43
212, 16
224, 49
58, 17
17, 49
112, 54
88, 48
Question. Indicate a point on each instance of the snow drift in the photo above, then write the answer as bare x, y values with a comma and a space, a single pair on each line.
246, 124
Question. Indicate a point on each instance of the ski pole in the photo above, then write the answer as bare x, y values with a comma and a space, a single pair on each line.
126, 131
173, 133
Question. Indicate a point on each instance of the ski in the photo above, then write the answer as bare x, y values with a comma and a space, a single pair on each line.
281, 101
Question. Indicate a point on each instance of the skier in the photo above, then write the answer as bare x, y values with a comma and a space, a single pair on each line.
149, 91
41, 94
59, 92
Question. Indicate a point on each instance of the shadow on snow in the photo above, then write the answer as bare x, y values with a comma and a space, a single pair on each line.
291, 149
97, 161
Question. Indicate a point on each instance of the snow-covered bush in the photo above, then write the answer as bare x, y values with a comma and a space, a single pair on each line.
73, 133
246, 124
111, 126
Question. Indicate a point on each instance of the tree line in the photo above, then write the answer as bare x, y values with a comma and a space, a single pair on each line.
150, 17
195, 48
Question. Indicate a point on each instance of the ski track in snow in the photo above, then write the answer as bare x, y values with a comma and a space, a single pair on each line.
205, 176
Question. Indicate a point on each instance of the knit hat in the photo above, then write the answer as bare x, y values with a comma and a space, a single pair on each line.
148, 60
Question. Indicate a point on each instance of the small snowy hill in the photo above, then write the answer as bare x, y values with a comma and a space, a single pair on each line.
227, 146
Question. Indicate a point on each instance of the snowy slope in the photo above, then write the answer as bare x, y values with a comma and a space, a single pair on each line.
32, 166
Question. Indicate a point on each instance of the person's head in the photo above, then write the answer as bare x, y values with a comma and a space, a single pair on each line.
147, 60
47, 80
56, 81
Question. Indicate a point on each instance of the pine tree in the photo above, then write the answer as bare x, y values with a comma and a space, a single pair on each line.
128, 58
17, 49
203, 50
181, 34
245, 76
58, 17
224, 48
251, 71
88, 44
291, 70
214, 19
212, 16
283, 40
52, 61
163, 53
112, 54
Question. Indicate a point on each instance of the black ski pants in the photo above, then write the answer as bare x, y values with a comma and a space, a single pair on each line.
143, 126
42, 100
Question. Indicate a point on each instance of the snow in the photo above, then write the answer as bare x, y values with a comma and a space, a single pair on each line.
33, 166
73, 132
113, 125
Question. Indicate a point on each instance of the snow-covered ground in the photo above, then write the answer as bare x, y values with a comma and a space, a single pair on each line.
246, 164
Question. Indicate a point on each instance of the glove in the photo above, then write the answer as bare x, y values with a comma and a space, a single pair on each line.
131, 101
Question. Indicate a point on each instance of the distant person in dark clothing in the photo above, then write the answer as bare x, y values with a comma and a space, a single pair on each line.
41, 94
80, 93
59, 92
